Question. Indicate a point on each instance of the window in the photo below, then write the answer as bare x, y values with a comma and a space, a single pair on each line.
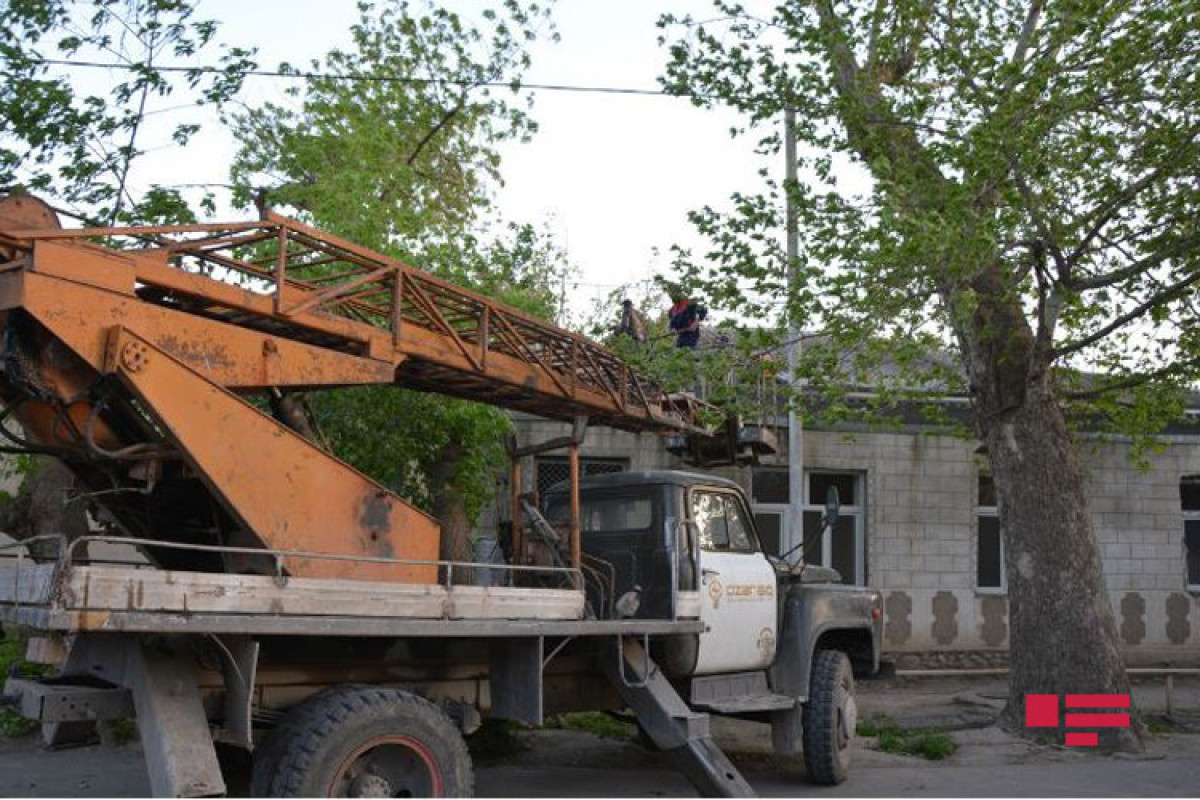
843, 544
1189, 494
770, 485
553, 470
721, 522
625, 512
769, 494
989, 545
842, 547
770, 525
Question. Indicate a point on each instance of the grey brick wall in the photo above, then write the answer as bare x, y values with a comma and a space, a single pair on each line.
921, 533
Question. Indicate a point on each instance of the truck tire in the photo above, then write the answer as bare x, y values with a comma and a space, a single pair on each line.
830, 716
359, 741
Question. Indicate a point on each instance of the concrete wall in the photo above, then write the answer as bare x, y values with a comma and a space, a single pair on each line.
921, 536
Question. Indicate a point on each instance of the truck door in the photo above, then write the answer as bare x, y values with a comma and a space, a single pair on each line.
737, 586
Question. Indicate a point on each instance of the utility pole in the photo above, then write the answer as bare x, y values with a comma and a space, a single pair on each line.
795, 420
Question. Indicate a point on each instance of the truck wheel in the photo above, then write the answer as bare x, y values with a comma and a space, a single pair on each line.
370, 742
830, 716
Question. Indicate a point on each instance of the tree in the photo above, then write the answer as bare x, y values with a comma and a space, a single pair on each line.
1032, 199
397, 147
398, 153
76, 148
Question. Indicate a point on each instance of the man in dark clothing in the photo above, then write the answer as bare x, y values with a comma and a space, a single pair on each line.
685, 321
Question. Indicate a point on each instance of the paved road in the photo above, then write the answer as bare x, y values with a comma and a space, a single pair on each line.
569, 763
582, 766
1113, 779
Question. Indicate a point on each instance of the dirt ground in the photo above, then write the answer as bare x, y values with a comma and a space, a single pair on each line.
574, 763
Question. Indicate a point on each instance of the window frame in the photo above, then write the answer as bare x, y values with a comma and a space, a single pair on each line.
856, 512
1189, 515
991, 512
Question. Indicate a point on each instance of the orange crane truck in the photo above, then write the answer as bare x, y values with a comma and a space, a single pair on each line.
287, 627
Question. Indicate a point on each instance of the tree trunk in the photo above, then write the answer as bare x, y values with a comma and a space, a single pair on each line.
1063, 634
450, 509
43, 506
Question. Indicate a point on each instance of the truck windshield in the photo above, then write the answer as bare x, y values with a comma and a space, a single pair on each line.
604, 513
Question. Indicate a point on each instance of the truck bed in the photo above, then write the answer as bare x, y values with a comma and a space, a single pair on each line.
133, 598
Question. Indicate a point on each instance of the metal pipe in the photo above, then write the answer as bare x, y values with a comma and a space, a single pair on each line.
212, 548
518, 556
795, 420
576, 532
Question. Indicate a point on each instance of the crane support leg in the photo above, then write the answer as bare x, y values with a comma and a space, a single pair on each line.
674, 727
287, 491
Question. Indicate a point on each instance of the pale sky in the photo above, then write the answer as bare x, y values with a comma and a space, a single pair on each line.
614, 175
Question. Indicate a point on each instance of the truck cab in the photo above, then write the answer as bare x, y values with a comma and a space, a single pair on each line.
781, 641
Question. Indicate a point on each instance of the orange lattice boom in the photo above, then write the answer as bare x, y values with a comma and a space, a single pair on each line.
285, 278
128, 352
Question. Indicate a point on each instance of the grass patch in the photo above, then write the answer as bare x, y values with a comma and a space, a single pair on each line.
1158, 726
597, 723
12, 658
123, 730
13, 663
871, 726
921, 742
13, 725
12, 651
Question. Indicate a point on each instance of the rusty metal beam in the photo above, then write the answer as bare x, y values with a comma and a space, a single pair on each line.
331, 507
365, 303
333, 292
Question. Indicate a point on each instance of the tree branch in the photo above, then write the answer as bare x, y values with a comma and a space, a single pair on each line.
1027, 30
1106, 279
1039, 221
1105, 211
867, 106
1168, 294
1134, 381
443, 122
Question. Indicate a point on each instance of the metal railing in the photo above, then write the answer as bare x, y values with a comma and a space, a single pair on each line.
572, 579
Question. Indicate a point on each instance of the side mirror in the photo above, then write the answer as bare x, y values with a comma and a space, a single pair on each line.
833, 507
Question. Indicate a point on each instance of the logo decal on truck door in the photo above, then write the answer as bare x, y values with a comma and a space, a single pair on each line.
715, 590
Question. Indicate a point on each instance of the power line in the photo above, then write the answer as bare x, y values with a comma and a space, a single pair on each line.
298, 75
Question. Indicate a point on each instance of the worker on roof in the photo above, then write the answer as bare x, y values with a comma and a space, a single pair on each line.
632, 323
685, 317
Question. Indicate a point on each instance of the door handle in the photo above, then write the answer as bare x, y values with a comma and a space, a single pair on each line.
710, 573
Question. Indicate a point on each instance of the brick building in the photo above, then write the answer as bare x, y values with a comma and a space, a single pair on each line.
919, 524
